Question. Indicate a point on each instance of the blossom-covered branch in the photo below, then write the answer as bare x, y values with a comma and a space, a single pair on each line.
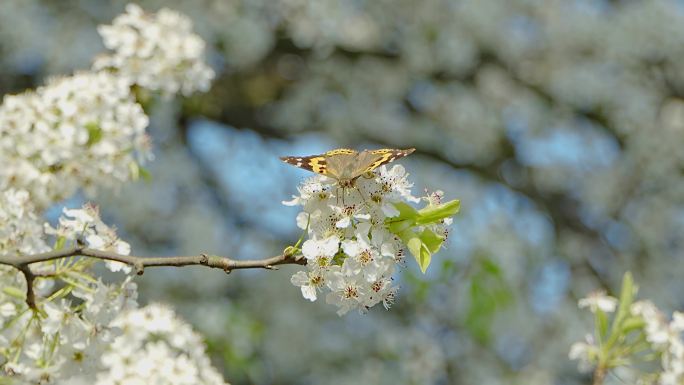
139, 263
357, 238
630, 333
87, 132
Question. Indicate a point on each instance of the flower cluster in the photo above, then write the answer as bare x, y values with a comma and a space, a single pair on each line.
156, 347
83, 131
21, 230
358, 235
72, 329
89, 331
68, 336
84, 226
639, 332
158, 51
665, 339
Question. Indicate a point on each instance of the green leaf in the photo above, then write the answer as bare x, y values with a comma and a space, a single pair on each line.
490, 267
94, 133
145, 174
434, 214
489, 293
602, 323
425, 258
139, 172
627, 293
13, 291
631, 324
405, 211
418, 249
60, 242
431, 240
422, 245
134, 169
415, 246
398, 227
626, 297
405, 220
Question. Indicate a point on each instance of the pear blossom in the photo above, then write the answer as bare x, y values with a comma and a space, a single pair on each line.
599, 301
83, 132
347, 290
155, 51
93, 333
310, 282
156, 347
80, 132
585, 352
321, 252
350, 250
21, 230
85, 226
662, 339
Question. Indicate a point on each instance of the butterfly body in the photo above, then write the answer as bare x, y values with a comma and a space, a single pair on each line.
346, 165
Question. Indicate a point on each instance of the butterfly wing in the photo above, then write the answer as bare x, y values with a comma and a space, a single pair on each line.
345, 164
372, 159
329, 164
313, 163
368, 160
339, 161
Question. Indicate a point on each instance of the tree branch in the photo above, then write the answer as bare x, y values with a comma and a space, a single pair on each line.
22, 262
599, 375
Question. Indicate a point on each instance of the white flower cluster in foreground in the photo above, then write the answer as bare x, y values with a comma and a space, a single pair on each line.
156, 51
87, 331
86, 131
358, 235
156, 347
638, 332
72, 328
83, 131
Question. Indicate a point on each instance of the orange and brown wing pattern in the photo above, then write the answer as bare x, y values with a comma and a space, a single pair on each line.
341, 151
316, 163
313, 163
387, 155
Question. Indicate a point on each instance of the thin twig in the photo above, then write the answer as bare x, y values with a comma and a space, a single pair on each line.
139, 263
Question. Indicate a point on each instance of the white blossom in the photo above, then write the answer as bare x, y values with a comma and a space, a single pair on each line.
155, 51
65, 341
350, 250
347, 290
94, 333
84, 131
85, 226
21, 230
321, 252
156, 347
310, 283
585, 352
666, 338
598, 301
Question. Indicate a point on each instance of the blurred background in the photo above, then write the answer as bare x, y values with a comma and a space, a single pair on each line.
558, 124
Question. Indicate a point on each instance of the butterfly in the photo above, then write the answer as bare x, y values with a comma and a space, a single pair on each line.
346, 165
